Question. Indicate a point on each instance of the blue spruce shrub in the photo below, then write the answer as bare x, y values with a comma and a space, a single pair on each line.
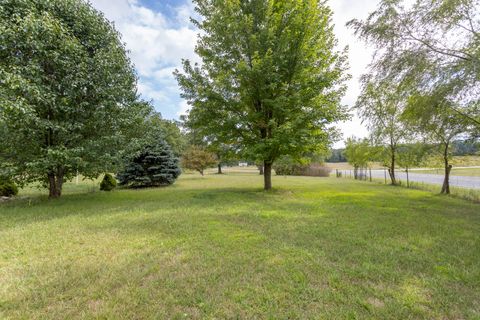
154, 166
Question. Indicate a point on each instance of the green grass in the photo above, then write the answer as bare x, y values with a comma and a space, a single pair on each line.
219, 247
469, 172
466, 161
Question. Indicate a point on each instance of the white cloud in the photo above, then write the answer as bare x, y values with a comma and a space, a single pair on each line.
359, 55
157, 43
184, 107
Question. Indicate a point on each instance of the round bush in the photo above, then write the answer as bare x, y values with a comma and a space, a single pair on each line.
8, 188
108, 183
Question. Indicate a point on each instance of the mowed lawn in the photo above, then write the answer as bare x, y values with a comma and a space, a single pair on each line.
219, 247
468, 172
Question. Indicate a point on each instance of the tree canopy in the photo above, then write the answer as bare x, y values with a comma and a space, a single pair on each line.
67, 94
198, 158
359, 153
434, 44
271, 79
435, 118
381, 105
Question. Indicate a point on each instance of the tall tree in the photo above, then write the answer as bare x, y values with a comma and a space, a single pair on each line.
67, 91
434, 44
156, 128
440, 124
271, 80
381, 106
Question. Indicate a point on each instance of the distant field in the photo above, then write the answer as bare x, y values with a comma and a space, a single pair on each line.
466, 161
469, 172
347, 166
219, 247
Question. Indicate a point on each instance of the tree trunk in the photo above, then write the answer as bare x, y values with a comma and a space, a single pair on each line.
260, 169
55, 181
391, 170
355, 172
220, 168
267, 175
448, 168
408, 181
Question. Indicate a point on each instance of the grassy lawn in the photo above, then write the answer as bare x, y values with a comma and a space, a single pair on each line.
457, 161
469, 172
466, 161
219, 247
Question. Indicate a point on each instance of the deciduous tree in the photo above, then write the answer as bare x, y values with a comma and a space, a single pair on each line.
359, 153
433, 44
270, 80
198, 158
67, 91
439, 123
381, 105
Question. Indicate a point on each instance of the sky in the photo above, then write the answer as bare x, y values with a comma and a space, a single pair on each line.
159, 34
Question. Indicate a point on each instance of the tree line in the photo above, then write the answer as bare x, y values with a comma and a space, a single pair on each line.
69, 101
269, 87
270, 81
421, 85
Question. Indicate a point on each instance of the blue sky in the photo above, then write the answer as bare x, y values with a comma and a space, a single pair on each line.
158, 35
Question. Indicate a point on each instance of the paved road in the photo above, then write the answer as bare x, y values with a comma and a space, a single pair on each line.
455, 181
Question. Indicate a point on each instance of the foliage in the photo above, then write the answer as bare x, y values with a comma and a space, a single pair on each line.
412, 155
439, 123
466, 147
415, 47
8, 188
336, 155
108, 183
198, 158
287, 166
67, 92
225, 152
381, 105
153, 166
169, 130
359, 153
270, 81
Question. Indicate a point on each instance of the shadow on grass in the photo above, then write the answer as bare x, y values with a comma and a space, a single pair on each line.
221, 253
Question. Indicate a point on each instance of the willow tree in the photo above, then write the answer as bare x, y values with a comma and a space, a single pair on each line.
381, 105
435, 118
67, 94
270, 80
432, 45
